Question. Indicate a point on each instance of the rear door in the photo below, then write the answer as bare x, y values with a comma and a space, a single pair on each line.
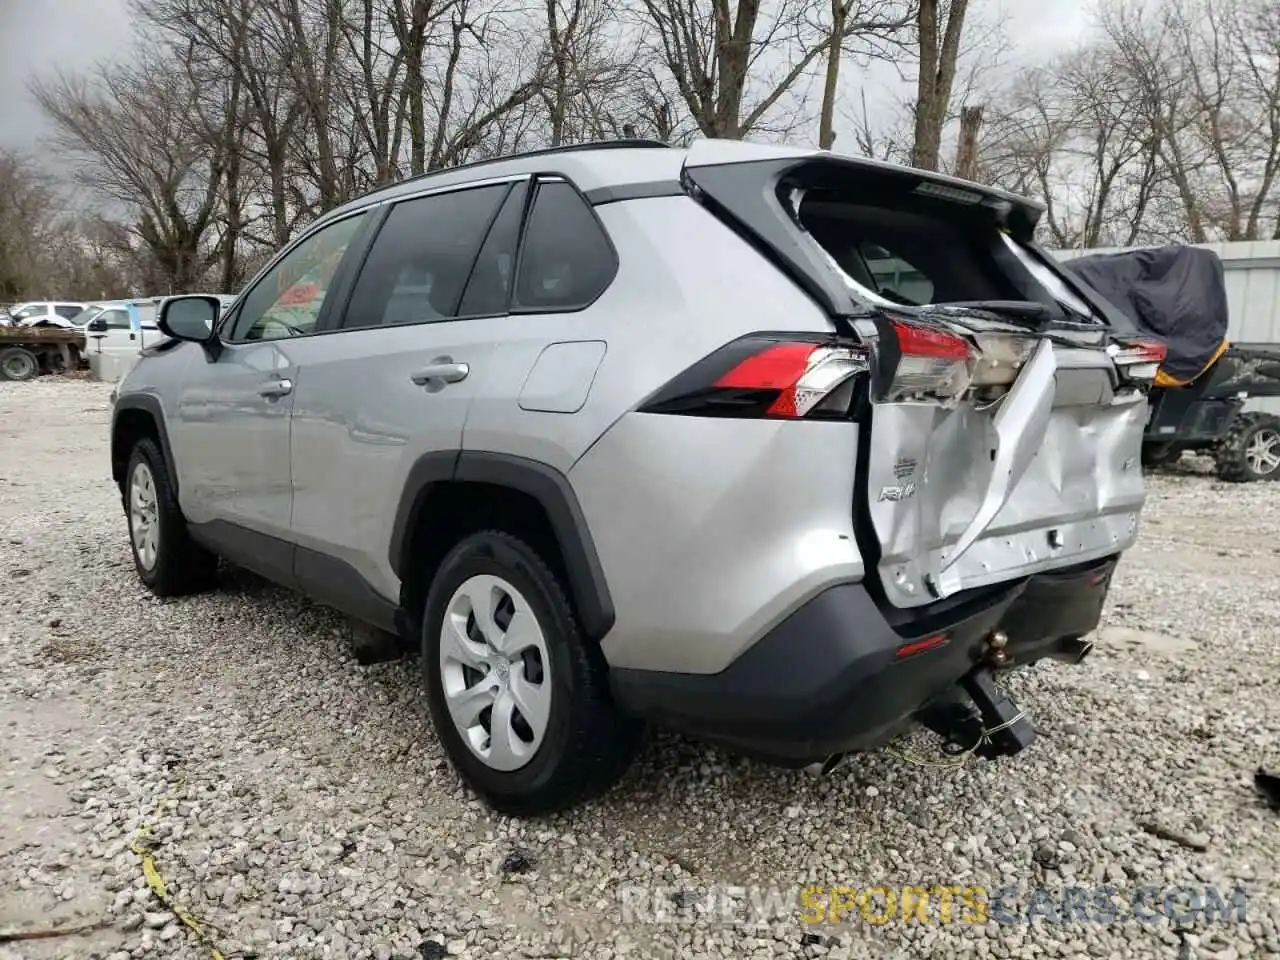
1005, 424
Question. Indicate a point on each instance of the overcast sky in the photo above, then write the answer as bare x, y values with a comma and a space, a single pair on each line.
39, 35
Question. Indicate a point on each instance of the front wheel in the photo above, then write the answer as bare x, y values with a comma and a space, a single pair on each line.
518, 697
168, 561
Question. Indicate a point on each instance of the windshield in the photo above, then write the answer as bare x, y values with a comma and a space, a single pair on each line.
87, 314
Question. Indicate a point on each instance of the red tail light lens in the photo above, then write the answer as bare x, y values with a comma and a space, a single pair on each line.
1139, 358
765, 376
919, 361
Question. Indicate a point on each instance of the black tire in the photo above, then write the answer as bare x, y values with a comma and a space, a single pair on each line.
588, 743
1157, 455
18, 363
1232, 455
181, 565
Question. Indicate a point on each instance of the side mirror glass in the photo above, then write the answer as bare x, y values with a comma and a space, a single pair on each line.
189, 318
98, 326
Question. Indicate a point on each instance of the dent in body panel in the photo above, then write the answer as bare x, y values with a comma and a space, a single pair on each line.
710, 531
1084, 482
561, 376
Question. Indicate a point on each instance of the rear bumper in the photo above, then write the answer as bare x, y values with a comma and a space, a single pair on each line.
830, 679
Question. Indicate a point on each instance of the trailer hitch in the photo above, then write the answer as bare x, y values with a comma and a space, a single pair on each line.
990, 725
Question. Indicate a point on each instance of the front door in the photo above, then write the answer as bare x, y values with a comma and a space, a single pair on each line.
231, 441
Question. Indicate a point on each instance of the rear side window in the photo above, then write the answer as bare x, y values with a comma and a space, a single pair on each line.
493, 276
421, 258
567, 260
66, 311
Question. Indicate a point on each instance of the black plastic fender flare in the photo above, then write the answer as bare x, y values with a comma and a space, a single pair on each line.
548, 486
150, 405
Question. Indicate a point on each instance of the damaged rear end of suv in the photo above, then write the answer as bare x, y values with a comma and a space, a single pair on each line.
994, 409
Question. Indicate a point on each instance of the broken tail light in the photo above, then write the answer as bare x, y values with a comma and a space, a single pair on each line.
1138, 358
770, 376
999, 358
920, 361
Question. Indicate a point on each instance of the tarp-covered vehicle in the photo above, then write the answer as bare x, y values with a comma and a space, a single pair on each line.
1178, 293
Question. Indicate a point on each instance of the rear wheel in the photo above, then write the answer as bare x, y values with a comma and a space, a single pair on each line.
518, 697
168, 561
18, 363
1251, 449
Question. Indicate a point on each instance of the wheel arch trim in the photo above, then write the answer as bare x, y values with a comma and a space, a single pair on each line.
548, 486
150, 405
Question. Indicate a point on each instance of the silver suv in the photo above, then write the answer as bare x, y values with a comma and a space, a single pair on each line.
784, 449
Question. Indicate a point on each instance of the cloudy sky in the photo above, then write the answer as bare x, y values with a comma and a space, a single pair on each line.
37, 36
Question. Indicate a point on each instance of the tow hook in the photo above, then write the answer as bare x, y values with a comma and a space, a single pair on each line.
995, 653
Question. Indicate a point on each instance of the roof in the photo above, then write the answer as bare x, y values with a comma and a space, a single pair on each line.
628, 161
623, 163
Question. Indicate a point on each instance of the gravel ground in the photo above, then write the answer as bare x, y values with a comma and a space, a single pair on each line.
301, 807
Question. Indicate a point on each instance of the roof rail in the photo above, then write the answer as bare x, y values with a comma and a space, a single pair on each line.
625, 143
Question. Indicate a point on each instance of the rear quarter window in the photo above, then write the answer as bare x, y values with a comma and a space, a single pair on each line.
567, 260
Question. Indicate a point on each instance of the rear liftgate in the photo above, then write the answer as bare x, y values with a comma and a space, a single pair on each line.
927, 372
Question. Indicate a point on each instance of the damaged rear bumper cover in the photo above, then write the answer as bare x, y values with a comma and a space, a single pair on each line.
840, 675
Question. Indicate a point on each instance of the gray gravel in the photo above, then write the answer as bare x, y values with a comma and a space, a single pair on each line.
311, 813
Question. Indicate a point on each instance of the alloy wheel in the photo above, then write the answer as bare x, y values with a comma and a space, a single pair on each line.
144, 524
1263, 452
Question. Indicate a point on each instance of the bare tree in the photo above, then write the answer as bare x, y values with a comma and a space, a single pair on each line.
939, 26
29, 204
719, 53
967, 147
136, 134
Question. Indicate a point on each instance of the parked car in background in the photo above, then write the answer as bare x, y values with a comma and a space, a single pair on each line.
784, 448
55, 312
110, 330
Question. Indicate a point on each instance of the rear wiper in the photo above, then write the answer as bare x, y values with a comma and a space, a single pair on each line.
1027, 309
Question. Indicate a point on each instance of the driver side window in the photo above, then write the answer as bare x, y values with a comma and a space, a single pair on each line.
287, 301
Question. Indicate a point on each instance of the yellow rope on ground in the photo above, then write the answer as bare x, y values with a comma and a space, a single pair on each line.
156, 882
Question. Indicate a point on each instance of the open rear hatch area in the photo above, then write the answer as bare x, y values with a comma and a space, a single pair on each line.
1005, 400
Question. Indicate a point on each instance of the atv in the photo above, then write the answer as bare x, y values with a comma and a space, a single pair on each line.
1197, 403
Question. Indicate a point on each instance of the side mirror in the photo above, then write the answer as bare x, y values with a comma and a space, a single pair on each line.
99, 325
191, 318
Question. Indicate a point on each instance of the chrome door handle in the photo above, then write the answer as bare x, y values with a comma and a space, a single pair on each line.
443, 370
276, 388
